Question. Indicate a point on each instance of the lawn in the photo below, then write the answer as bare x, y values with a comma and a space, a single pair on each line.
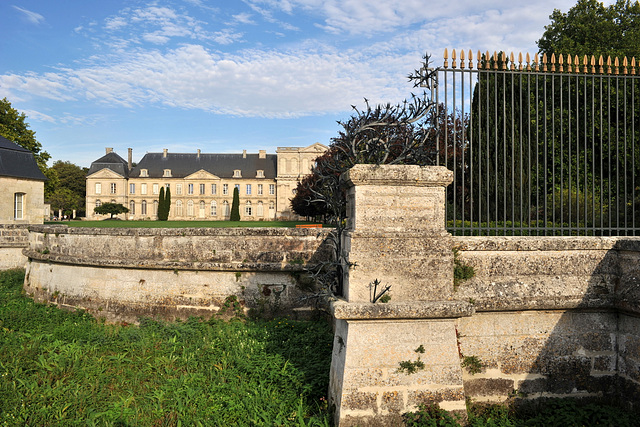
180, 224
61, 368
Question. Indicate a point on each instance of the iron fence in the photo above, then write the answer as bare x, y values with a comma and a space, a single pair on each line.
544, 147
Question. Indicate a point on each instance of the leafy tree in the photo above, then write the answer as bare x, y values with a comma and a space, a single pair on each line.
235, 206
110, 208
65, 199
71, 177
590, 28
14, 127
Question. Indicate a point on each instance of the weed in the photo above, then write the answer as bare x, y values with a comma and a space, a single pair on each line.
461, 272
45, 251
238, 276
412, 366
473, 364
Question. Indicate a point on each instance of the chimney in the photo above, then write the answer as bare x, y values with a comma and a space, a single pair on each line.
244, 154
262, 154
198, 153
130, 161
109, 150
164, 153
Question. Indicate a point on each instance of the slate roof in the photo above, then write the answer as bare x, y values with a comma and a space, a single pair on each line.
110, 161
18, 162
221, 165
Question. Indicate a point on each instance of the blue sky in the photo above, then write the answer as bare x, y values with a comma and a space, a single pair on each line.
223, 76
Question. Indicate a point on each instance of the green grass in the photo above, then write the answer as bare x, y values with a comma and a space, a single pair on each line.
61, 368
180, 224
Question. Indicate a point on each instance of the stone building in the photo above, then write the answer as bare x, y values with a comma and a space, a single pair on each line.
22, 198
201, 184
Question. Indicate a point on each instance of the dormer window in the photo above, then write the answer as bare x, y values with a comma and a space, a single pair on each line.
237, 173
260, 174
167, 173
144, 173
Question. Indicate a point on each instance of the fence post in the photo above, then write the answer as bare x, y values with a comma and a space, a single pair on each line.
396, 234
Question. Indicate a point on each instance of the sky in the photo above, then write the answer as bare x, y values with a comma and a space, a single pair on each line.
226, 75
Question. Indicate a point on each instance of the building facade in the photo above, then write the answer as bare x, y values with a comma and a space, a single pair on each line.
201, 184
22, 198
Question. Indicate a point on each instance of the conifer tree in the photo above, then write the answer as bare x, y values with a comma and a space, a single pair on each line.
235, 206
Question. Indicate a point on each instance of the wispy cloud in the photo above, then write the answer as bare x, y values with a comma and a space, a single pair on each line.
32, 17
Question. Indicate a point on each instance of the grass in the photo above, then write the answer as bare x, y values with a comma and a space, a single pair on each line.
62, 368
180, 224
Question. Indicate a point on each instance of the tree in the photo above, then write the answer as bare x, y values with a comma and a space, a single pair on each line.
167, 203
70, 177
110, 208
66, 200
14, 127
235, 206
161, 216
590, 28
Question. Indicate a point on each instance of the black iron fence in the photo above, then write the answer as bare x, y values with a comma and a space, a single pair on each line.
540, 147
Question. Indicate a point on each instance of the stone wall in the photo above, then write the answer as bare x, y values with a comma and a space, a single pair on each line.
121, 274
13, 239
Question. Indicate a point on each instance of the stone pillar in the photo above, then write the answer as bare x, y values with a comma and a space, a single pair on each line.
396, 234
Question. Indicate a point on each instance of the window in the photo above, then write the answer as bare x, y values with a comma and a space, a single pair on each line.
143, 208
214, 208
167, 173
214, 188
155, 207
98, 188
225, 207
260, 210
132, 189
113, 188
143, 188
260, 174
247, 209
225, 189
18, 202
179, 208
178, 188
190, 208
98, 203
144, 172
132, 207
203, 210
259, 189
156, 189
248, 189
189, 188
202, 189
237, 173
272, 189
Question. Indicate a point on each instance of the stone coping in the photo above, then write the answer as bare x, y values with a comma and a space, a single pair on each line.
188, 231
342, 309
398, 175
546, 243
167, 265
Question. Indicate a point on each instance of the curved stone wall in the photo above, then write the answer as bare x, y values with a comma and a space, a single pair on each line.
124, 273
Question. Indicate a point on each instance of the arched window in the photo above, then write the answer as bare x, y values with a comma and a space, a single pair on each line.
132, 207
143, 208
18, 205
155, 207
225, 208
190, 208
247, 209
202, 210
260, 210
179, 208
214, 208
98, 203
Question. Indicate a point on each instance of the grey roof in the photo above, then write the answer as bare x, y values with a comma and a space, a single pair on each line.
222, 165
110, 161
18, 162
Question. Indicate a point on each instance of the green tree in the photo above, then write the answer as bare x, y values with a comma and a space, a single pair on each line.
235, 206
66, 200
14, 127
110, 208
167, 203
590, 28
161, 216
71, 177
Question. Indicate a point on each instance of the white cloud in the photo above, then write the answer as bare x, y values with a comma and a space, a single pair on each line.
32, 17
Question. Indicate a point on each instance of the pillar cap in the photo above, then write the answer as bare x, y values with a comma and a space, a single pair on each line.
409, 175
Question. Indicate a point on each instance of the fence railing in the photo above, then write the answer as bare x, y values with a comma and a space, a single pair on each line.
540, 147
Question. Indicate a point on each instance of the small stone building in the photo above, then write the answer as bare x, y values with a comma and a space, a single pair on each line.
22, 182
201, 184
